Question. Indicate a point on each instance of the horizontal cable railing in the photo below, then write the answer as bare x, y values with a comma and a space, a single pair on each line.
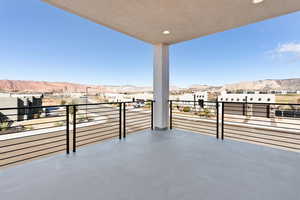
137, 117
271, 124
276, 125
30, 133
195, 116
34, 132
95, 123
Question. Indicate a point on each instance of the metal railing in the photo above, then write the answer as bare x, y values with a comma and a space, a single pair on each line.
48, 130
260, 123
195, 116
52, 129
275, 125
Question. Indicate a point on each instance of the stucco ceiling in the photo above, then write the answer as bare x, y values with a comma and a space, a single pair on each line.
185, 19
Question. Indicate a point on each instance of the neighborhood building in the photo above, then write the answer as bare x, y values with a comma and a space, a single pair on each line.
25, 107
191, 96
246, 97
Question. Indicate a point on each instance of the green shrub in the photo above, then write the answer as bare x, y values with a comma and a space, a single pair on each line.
206, 112
29, 128
63, 102
4, 126
58, 124
81, 118
186, 109
148, 104
201, 114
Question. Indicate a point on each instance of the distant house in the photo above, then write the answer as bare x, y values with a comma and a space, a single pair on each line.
191, 96
201, 96
142, 96
257, 104
250, 98
25, 107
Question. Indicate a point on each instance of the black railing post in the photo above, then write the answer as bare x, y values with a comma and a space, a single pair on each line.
222, 121
268, 111
201, 103
217, 124
120, 121
124, 120
246, 107
74, 128
151, 115
67, 130
171, 114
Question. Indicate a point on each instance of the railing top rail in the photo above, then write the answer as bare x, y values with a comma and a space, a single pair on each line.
283, 104
61, 106
191, 101
242, 102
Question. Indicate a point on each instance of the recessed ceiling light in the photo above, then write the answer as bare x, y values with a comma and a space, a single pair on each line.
166, 32
257, 1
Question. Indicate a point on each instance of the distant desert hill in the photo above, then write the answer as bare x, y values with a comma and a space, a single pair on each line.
43, 86
60, 87
205, 87
266, 85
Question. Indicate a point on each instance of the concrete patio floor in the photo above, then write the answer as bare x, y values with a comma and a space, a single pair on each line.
158, 165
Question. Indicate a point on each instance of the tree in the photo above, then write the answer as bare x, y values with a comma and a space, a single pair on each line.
63, 102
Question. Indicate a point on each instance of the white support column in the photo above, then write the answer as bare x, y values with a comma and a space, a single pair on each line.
161, 87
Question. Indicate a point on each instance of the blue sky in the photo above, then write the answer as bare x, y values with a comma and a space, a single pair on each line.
40, 42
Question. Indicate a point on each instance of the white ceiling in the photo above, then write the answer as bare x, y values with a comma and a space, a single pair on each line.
185, 19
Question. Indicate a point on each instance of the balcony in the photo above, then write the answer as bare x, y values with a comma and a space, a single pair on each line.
207, 154
158, 165
181, 150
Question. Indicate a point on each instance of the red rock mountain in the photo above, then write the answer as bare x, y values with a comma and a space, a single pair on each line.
43, 86
61, 87
64, 87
